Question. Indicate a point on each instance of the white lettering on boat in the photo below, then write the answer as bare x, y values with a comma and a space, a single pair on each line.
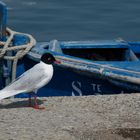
77, 88
96, 88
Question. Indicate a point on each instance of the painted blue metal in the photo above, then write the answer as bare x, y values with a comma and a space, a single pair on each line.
93, 44
20, 40
135, 47
3, 22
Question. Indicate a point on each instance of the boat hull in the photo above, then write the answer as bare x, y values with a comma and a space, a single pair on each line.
66, 82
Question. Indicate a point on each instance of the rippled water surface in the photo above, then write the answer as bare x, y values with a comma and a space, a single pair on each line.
76, 20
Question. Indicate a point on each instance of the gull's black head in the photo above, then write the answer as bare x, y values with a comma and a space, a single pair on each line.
47, 58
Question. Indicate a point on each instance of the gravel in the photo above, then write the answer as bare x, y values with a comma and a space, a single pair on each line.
107, 117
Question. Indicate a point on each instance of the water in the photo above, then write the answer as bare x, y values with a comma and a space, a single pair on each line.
76, 20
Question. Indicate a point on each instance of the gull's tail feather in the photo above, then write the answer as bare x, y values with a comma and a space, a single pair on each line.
5, 93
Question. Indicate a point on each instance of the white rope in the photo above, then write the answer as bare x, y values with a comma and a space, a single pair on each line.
21, 49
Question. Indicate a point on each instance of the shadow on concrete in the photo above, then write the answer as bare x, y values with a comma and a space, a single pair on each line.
19, 104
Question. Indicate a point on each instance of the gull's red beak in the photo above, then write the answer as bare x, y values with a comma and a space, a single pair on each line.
57, 62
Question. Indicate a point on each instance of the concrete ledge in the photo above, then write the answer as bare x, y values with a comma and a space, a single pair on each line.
108, 117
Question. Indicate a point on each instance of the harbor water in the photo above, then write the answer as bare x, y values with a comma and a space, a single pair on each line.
75, 20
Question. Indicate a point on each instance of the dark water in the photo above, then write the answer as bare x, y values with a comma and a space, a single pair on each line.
76, 20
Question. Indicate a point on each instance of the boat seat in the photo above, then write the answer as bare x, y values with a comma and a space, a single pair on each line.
130, 56
54, 45
133, 57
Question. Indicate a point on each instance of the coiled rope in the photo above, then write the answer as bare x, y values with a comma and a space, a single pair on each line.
21, 50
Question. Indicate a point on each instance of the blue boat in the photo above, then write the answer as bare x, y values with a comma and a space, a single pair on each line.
87, 67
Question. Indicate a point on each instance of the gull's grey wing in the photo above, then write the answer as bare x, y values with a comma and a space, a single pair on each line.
28, 80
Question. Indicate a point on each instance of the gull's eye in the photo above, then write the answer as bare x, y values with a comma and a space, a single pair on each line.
49, 58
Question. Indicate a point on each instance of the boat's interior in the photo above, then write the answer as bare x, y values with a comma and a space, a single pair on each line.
95, 53
98, 54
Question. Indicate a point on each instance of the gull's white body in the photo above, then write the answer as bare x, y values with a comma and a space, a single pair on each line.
30, 81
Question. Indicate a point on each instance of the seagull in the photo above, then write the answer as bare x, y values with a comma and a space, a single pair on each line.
33, 79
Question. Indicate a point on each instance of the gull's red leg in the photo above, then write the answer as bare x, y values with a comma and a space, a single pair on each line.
30, 100
36, 106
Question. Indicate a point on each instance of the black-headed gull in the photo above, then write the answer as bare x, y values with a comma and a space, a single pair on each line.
33, 79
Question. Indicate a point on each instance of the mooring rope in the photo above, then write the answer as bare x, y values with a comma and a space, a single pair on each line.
21, 49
